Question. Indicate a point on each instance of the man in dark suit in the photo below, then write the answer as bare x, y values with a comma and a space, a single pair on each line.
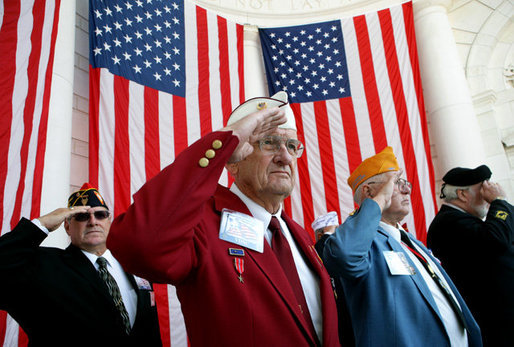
473, 235
246, 273
72, 297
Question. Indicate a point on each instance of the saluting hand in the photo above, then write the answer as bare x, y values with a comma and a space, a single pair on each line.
491, 191
385, 193
54, 219
252, 128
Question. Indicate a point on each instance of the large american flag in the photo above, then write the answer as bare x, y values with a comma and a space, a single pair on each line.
28, 29
162, 74
355, 88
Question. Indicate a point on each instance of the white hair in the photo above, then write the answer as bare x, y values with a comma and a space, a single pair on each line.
450, 192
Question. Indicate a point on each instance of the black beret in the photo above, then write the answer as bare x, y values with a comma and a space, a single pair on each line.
86, 196
461, 176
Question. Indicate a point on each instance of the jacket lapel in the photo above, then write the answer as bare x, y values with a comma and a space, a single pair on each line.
79, 263
265, 261
417, 278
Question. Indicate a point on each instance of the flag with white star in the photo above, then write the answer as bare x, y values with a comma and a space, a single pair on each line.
162, 74
307, 61
354, 87
141, 41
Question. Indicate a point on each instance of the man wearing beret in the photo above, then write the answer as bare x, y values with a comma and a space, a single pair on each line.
80, 296
473, 235
397, 293
246, 274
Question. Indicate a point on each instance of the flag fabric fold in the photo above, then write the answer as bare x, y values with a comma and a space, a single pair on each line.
355, 88
28, 31
162, 74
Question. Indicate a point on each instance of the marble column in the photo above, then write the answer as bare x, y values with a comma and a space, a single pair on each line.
453, 125
56, 175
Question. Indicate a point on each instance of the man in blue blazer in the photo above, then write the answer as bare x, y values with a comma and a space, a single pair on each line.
397, 293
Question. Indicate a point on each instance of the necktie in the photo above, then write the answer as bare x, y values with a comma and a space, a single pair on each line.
114, 290
436, 278
282, 251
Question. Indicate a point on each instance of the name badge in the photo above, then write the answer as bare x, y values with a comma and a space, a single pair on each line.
398, 264
242, 229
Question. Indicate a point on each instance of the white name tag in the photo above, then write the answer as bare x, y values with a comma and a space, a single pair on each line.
242, 229
398, 264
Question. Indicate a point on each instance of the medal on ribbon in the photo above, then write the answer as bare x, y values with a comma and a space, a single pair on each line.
239, 264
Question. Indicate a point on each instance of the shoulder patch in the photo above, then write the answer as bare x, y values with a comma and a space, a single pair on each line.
501, 215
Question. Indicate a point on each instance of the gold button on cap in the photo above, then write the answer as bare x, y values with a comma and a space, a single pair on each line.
210, 153
216, 144
203, 162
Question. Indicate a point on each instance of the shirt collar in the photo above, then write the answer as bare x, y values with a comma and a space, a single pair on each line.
93, 257
255, 209
454, 206
394, 232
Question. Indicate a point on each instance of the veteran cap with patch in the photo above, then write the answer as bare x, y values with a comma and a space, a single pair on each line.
256, 104
384, 161
86, 196
462, 177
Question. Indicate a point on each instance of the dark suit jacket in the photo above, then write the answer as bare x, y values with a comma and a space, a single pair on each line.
180, 211
58, 298
479, 257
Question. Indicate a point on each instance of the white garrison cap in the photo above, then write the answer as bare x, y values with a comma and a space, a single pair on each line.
325, 220
256, 104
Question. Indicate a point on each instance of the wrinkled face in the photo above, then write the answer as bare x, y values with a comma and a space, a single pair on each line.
263, 174
400, 201
89, 235
477, 206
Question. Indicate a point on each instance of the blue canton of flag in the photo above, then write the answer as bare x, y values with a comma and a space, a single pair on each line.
142, 41
308, 61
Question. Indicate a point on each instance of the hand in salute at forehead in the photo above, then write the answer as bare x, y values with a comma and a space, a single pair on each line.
252, 128
54, 219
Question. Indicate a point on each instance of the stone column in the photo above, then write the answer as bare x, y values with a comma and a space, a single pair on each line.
255, 76
56, 175
454, 128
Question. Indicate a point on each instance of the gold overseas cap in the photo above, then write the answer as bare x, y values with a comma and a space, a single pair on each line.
384, 161
256, 104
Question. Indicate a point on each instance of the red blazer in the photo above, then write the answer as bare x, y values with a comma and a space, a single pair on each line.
170, 234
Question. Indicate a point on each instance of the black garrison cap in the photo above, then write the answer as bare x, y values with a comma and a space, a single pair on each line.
462, 177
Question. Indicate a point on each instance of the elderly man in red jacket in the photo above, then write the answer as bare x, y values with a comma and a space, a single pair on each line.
245, 272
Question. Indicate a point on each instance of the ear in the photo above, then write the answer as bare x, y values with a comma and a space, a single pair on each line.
67, 226
462, 195
366, 192
233, 169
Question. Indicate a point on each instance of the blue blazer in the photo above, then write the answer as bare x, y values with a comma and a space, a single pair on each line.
385, 309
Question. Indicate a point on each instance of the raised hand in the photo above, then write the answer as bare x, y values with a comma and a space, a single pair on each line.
252, 128
54, 219
491, 191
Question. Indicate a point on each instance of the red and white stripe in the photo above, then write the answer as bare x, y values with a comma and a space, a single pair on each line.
28, 30
385, 109
136, 131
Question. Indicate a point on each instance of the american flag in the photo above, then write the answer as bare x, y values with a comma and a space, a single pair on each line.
354, 86
28, 30
162, 74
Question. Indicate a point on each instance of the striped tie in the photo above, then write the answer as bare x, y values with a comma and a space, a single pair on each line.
114, 290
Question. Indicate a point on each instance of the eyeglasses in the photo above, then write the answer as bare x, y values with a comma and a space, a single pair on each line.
99, 215
272, 144
404, 186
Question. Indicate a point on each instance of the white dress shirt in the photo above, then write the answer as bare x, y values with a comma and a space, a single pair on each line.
457, 334
128, 293
308, 279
